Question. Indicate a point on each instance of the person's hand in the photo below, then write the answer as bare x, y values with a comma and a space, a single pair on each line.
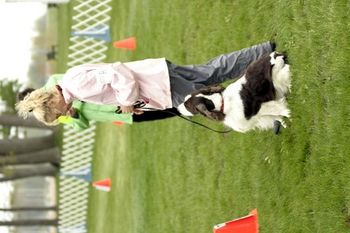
127, 109
130, 109
137, 111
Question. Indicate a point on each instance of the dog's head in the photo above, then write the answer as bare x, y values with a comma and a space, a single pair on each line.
203, 101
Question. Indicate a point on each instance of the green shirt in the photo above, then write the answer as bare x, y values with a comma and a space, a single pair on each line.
87, 111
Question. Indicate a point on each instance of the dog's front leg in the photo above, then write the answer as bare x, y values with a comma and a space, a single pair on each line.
208, 90
216, 89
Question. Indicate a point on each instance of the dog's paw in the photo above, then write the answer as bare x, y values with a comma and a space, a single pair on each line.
286, 113
283, 123
289, 91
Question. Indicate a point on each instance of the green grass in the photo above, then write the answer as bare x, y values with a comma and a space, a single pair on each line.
172, 176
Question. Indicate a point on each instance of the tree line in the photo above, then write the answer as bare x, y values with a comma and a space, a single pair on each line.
25, 157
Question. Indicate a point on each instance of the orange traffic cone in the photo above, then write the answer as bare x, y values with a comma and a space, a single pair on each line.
118, 123
247, 224
129, 43
104, 185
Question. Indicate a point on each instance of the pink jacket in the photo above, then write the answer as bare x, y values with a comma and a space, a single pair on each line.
119, 83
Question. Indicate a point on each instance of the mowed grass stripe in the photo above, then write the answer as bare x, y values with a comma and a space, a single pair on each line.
176, 177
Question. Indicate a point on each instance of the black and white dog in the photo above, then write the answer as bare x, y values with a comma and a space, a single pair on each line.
255, 101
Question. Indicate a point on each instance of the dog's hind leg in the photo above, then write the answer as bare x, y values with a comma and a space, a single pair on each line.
268, 122
274, 108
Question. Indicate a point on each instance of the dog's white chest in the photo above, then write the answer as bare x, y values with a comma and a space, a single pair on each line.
233, 106
232, 99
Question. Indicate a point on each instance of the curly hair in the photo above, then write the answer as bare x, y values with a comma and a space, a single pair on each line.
39, 102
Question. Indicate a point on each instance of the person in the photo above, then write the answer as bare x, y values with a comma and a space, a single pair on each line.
136, 87
82, 113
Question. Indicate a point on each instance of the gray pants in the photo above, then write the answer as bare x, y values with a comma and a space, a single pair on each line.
185, 79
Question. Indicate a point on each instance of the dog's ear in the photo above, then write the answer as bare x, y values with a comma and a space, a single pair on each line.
213, 115
198, 104
190, 105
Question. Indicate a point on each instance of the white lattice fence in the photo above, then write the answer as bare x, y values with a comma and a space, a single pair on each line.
90, 23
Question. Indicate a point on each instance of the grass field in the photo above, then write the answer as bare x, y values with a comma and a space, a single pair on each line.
172, 176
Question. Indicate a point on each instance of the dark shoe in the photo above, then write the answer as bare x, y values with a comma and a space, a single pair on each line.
273, 45
285, 58
276, 127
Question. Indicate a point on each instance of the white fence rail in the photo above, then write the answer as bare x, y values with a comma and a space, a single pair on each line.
90, 31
